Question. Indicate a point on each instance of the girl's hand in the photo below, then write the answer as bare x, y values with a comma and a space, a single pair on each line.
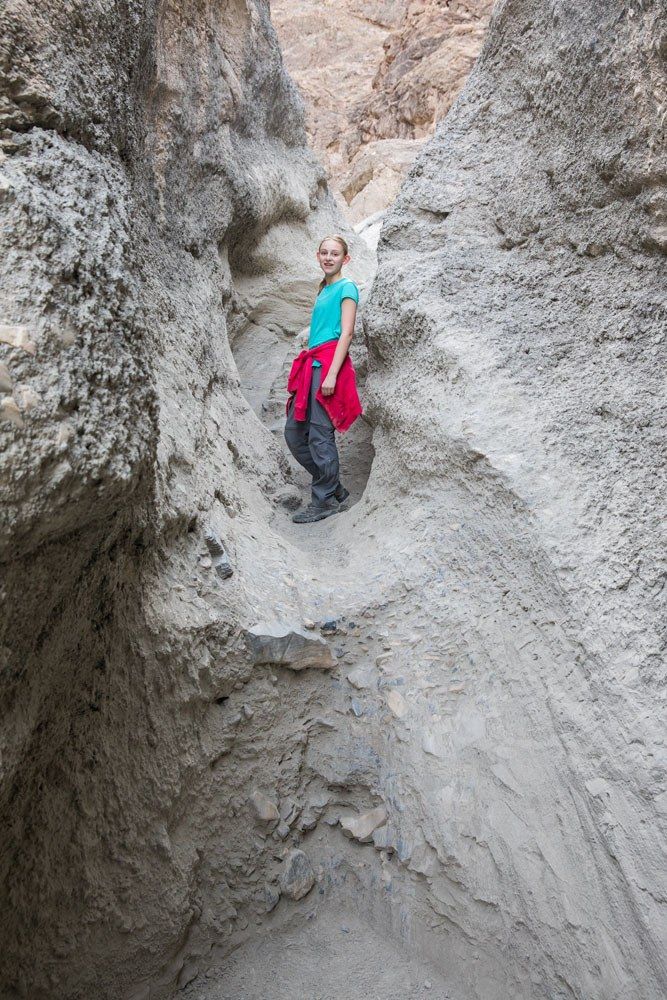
328, 386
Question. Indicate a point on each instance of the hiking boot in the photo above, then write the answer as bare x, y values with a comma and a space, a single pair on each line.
313, 512
341, 494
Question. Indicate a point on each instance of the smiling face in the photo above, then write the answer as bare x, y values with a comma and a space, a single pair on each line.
331, 255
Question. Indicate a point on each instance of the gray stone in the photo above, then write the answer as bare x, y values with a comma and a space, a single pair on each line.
219, 558
281, 645
289, 811
271, 897
383, 839
297, 878
362, 678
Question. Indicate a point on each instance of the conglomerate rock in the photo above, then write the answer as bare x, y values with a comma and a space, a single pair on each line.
156, 191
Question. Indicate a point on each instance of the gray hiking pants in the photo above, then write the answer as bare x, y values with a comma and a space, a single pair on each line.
313, 445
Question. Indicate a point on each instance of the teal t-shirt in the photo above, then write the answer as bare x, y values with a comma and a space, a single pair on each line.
325, 320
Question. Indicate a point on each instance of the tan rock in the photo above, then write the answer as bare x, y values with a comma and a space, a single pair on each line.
397, 703
265, 809
26, 397
10, 411
384, 71
18, 336
362, 826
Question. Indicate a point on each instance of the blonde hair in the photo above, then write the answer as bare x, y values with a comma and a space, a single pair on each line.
337, 239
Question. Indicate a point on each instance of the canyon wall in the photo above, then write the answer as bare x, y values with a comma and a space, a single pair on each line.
156, 192
376, 78
517, 353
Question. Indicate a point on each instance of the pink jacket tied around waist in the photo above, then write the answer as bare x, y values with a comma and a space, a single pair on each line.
343, 406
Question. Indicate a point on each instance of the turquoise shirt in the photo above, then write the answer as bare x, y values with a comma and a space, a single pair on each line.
326, 318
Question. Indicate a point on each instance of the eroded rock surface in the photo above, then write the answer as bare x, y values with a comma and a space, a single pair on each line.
521, 286
158, 200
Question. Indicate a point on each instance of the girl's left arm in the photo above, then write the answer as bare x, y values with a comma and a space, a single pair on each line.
348, 314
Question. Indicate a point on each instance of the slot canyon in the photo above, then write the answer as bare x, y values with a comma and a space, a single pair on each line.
417, 749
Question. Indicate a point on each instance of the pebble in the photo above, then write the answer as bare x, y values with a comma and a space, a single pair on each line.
428, 984
397, 703
248, 711
289, 811
357, 708
219, 558
271, 897
361, 678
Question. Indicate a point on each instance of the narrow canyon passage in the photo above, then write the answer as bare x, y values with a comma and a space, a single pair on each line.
416, 749
445, 735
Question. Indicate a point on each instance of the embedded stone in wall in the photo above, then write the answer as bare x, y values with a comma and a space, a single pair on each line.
286, 646
362, 827
298, 877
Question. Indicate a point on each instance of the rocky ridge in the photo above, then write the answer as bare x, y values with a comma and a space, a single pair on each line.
376, 78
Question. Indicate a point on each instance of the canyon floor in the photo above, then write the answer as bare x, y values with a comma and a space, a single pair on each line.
336, 956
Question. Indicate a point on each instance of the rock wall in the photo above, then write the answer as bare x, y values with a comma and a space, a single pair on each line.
517, 345
155, 189
376, 78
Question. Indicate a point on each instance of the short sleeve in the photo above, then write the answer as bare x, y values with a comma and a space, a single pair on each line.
350, 291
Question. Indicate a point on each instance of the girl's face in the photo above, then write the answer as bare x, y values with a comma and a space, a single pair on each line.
331, 257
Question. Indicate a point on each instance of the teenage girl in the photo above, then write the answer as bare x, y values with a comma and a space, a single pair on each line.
322, 386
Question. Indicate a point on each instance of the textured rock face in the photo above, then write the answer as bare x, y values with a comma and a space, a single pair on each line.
376, 78
521, 286
155, 189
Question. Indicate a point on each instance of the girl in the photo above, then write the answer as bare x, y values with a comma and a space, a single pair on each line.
322, 386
